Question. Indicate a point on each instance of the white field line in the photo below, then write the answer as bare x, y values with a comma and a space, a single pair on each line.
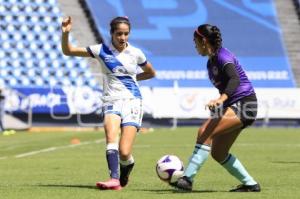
57, 148
136, 146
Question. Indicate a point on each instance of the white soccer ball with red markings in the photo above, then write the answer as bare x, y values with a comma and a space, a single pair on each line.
169, 168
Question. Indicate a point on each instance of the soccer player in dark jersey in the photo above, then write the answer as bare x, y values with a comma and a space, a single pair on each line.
235, 109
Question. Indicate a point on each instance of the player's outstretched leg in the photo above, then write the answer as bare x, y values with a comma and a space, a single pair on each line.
235, 168
112, 157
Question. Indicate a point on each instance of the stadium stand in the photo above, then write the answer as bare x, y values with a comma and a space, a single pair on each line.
38, 79
82, 30
290, 27
30, 49
163, 29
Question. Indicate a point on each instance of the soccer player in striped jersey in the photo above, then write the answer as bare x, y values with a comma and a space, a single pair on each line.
122, 100
235, 109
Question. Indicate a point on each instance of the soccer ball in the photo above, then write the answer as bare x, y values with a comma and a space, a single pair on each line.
169, 168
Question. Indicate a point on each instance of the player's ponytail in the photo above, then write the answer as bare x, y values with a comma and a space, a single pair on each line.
216, 37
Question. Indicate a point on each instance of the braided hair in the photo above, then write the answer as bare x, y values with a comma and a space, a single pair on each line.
116, 21
211, 33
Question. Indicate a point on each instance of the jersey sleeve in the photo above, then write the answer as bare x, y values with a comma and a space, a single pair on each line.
225, 58
94, 50
141, 58
233, 79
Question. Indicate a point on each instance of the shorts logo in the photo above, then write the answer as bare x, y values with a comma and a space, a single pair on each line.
134, 113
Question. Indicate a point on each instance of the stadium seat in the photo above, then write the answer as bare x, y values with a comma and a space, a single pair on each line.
30, 38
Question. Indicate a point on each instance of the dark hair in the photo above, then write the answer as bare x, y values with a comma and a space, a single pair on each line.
211, 33
116, 21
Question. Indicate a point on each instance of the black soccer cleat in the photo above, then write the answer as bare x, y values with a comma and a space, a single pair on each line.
124, 174
183, 183
246, 188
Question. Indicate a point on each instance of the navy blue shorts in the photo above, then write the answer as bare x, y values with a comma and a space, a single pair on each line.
246, 109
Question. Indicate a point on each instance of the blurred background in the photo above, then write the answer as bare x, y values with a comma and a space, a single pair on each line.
44, 88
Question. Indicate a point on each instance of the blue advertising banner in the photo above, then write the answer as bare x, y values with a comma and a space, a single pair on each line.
55, 101
164, 31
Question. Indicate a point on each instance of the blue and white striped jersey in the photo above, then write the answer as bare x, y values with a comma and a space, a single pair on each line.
120, 69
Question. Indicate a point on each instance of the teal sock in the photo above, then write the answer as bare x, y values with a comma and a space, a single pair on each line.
198, 158
235, 168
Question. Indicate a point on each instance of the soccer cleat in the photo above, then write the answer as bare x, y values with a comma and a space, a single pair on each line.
173, 184
246, 188
112, 184
183, 183
124, 174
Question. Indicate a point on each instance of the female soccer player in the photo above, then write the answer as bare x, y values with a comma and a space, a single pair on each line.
235, 109
122, 100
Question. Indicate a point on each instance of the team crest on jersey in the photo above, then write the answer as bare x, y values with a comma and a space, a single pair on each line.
120, 69
215, 70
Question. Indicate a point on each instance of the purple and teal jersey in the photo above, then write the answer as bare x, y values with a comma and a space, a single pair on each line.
215, 67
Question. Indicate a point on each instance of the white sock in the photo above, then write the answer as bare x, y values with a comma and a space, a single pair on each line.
127, 162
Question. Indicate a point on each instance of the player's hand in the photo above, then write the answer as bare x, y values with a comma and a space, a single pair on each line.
66, 25
214, 104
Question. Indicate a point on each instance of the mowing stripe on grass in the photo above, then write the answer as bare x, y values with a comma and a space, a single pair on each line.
57, 148
136, 146
238, 144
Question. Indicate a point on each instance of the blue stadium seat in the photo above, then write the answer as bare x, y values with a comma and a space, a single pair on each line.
30, 53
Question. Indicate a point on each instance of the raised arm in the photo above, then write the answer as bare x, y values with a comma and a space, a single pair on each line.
148, 73
67, 48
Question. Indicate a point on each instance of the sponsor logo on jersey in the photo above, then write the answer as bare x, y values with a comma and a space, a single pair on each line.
110, 59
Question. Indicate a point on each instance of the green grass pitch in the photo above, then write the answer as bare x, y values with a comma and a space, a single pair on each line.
47, 165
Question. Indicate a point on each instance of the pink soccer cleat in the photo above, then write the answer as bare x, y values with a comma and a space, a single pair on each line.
112, 184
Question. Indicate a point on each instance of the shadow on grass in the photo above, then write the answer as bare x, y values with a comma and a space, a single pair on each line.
286, 162
68, 186
168, 191
157, 191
